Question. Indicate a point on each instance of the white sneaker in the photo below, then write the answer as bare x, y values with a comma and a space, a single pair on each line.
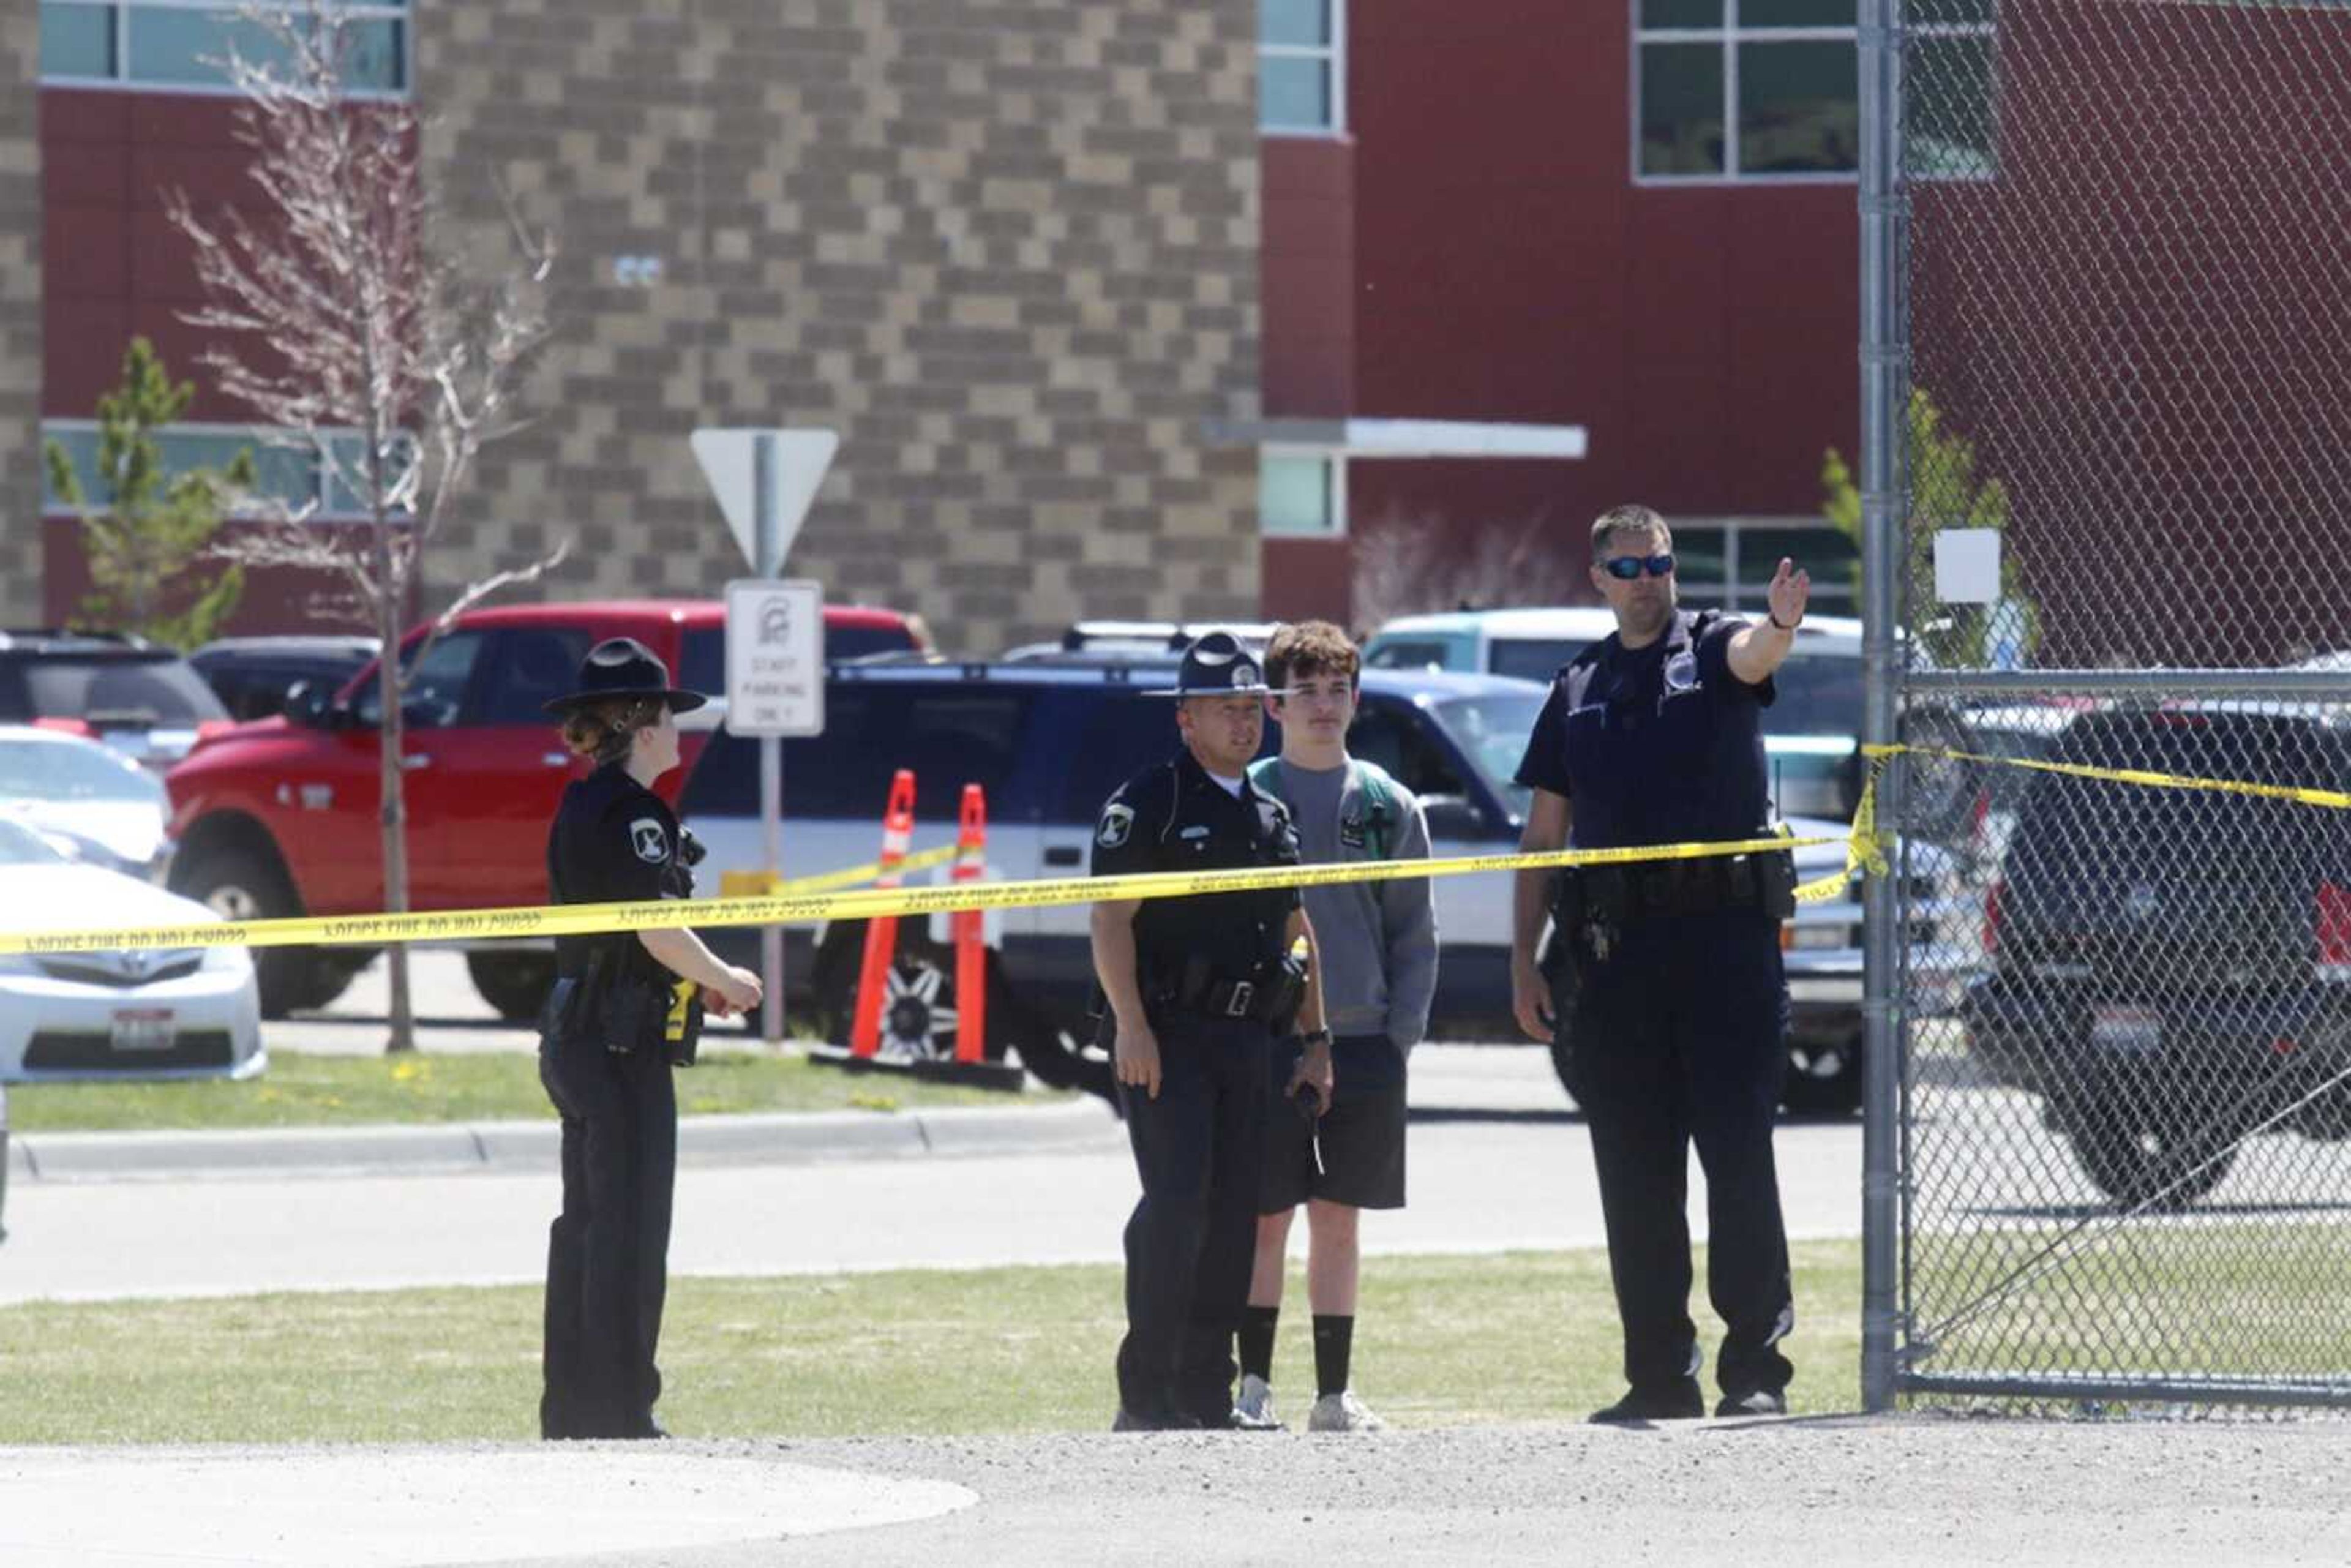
1342, 1412
1253, 1411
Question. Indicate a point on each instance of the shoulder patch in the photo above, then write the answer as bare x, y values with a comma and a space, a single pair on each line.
651, 842
1117, 823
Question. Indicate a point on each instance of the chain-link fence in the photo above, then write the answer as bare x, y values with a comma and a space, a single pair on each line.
2118, 284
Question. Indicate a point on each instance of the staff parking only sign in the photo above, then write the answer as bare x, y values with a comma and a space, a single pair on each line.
775, 657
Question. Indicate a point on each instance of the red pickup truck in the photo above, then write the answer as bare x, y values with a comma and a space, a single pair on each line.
278, 817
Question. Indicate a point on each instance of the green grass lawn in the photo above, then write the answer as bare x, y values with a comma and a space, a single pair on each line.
1523, 1336
301, 1089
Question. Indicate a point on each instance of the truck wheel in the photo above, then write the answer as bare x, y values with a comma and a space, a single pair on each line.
2143, 1155
918, 1010
516, 983
1823, 1077
241, 884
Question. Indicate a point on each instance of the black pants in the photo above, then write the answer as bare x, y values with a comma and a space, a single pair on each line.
607, 1252
1680, 1038
1200, 1148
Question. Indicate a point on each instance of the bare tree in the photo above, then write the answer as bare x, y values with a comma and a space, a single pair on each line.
350, 331
1406, 569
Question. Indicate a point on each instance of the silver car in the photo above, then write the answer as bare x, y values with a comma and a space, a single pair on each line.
191, 1012
87, 800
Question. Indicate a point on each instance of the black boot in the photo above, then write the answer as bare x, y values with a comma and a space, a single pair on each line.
1679, 1400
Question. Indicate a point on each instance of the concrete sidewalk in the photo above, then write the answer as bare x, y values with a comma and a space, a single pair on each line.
793, 1138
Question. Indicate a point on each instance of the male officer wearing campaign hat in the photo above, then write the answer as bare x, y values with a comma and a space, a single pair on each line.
625, 1008
1196, 987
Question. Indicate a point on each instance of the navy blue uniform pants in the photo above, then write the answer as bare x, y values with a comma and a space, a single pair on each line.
608, 1251
1679, 1037
1200, 1148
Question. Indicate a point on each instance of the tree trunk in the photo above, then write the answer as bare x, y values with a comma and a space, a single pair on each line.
393, 683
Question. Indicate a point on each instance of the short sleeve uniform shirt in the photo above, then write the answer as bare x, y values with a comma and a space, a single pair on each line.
1657, 745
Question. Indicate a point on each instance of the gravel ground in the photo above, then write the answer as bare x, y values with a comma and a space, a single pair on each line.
1923, 1491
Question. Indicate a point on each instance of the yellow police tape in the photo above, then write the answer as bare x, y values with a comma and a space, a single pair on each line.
760, 885
798, 908
2334, 799
833, 895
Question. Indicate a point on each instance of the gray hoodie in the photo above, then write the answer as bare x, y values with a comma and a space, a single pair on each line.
1377, 939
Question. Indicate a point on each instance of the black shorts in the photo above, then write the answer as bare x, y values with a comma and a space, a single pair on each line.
1362, 1134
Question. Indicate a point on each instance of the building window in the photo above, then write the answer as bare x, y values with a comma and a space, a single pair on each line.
1729, 561
1301, 495
1747, 89
293, 477
1302, 87
176, 45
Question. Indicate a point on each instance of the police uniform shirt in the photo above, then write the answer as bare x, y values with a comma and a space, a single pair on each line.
614, 841
1656, 744
1174, 817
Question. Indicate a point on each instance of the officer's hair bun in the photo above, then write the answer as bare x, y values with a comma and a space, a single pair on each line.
604, 730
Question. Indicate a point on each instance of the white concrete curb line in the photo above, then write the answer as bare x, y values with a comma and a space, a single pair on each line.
773, 1139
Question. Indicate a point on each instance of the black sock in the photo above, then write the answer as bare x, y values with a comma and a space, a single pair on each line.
1334, 1342
1256, 1341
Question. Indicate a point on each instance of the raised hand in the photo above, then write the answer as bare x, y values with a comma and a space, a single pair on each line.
1791, 590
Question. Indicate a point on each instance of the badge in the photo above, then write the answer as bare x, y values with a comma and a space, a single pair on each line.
1352, 833
1681, 672
651, 843
1117, 821
1244, 673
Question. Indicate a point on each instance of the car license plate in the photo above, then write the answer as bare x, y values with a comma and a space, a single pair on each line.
144, 1028
2126, 1031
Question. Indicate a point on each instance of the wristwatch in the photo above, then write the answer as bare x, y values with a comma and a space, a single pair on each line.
1318, 1036
1782, 625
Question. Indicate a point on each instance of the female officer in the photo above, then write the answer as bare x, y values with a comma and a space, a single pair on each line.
606, 1047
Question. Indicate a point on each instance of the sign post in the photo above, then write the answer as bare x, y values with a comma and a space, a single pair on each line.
765, 481
775, 688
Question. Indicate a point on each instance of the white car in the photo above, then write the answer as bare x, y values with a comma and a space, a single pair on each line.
87, 799
190, 1012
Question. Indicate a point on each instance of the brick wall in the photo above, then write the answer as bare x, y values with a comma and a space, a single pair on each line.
1008, 249
20, 316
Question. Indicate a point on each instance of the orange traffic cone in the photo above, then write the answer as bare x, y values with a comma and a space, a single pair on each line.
881, 931
971, 953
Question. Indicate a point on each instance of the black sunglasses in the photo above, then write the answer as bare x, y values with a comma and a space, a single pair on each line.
1627, 568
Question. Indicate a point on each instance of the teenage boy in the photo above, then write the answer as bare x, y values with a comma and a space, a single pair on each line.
1376, 948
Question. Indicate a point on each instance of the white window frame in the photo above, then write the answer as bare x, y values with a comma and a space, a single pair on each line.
1334, 464
1726, 36
257, 437
1730, 36
360, 10
1334, 55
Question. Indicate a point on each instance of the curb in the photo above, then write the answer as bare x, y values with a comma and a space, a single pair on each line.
779, 1138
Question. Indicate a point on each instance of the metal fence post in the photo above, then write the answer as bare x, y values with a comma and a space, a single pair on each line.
1883, 394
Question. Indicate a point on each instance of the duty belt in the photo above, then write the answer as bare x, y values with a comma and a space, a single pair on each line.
1200, 989
1619, 895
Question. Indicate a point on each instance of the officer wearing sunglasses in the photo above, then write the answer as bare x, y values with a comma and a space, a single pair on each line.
1671, 1006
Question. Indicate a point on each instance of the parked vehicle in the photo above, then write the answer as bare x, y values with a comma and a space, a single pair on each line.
1811, 734
278, 817
89, 803
179, 1013
2171, 968
1049, 741
144, 702
254, 676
